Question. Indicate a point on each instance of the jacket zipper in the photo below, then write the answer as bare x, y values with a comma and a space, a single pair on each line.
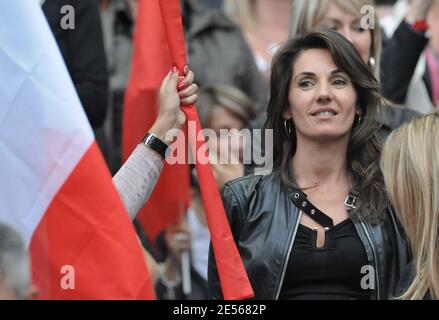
284, 268
374, 258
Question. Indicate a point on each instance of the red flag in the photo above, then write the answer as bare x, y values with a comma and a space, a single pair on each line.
151, 63
232, 274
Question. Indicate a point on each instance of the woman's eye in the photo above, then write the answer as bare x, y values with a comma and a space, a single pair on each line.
358, 28
331, 26
305, 84
339, 82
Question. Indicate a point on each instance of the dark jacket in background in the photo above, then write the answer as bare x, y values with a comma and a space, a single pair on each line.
264, 220
117, 26
399, 60
213, 4
83, 51
219, 54
393, 117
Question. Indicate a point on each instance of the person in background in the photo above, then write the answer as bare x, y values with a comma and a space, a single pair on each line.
410, 165
213, 4
265, 26
220, 108
117, 25
15, 275
83, 51
411, 56
219, 54
431, 75
384, 7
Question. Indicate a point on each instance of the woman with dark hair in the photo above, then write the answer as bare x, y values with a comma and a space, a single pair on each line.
319, 225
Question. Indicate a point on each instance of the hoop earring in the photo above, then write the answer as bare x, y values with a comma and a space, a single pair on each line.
359, 118
287, 126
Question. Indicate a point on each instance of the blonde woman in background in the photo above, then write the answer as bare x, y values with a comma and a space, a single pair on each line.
410, 164
264, 24
345, 17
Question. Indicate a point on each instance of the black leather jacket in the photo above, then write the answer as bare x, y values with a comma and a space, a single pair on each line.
264, 221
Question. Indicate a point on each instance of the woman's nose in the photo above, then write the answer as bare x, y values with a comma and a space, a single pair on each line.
324, 98
324, 95
347, 33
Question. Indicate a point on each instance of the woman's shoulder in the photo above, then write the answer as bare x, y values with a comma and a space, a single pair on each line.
250, 183
391, 231
388, 221
241, 196
391, 218
247, 187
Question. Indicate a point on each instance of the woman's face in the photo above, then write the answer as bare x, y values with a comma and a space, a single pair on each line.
221, 119
350, 27
322, 99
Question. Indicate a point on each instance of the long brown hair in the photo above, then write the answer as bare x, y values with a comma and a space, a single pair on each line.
364, 146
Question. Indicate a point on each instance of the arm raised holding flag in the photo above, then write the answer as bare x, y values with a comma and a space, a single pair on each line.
137, 177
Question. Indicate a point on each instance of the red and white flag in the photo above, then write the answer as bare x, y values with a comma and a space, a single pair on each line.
55, 188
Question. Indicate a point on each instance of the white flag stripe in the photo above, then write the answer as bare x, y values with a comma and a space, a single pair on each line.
44, 131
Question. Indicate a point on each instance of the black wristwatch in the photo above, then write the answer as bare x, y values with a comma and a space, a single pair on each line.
155, 144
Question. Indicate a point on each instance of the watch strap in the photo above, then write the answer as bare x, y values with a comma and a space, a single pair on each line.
155, 144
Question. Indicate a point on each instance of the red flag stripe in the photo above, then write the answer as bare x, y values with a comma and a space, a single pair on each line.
83, 228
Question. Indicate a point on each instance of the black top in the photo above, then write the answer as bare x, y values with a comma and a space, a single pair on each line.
330, 272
